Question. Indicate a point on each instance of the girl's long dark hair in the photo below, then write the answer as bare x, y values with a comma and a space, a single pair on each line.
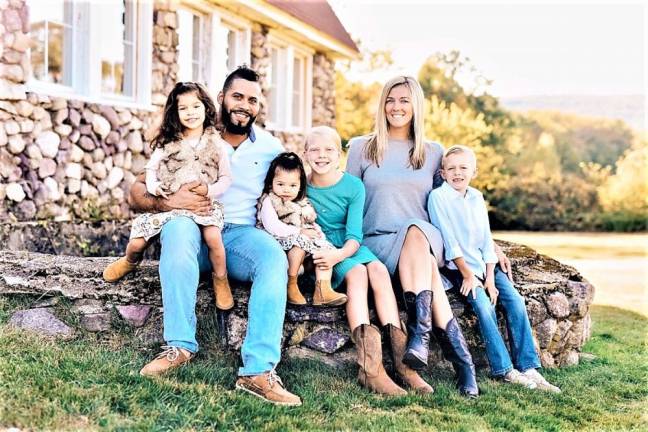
287, 161
171, 129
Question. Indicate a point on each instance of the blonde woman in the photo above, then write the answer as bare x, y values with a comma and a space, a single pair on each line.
399, 168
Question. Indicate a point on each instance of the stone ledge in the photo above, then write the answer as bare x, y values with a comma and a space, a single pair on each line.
557, 298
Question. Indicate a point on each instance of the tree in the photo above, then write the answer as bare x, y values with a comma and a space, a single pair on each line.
624, 195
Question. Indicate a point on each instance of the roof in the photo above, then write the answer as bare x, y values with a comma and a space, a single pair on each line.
319, 15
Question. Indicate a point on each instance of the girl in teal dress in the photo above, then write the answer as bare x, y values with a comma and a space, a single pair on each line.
338, 199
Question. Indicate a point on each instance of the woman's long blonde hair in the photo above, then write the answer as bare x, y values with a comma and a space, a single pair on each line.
377, 143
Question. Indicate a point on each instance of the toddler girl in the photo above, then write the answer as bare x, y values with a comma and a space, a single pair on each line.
284, 211
187, 149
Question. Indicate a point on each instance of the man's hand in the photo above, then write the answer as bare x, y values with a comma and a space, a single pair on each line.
326, 259
470, 285
492, 291
186, 198
504, 262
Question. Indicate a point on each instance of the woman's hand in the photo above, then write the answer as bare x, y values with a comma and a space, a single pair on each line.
326, 259
492, 291
504, 262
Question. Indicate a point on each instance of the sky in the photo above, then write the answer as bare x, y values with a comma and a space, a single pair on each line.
526, 49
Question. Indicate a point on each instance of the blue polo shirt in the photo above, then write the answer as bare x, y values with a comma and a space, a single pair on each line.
249, 164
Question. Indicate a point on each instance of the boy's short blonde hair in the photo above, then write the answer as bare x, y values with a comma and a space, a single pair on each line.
325, 132
459, 148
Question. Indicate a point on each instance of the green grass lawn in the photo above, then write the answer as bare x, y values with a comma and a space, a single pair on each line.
88, 384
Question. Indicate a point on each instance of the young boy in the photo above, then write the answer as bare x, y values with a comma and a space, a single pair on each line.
459, 212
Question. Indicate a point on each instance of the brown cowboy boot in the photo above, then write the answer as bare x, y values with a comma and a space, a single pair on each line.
118, 269
171, 357
398, 340
222, 292
372, 374
324, 295
294, 294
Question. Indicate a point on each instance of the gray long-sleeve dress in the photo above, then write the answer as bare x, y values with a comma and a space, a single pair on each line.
396, 197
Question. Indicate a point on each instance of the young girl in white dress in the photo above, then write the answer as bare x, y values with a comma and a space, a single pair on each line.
187, 149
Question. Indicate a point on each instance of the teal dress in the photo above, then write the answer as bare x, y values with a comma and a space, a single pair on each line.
339, 210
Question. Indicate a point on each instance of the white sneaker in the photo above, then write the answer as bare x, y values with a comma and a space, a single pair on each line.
514, 376
542, 383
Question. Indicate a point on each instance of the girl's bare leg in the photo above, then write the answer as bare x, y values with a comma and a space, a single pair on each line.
296, 257
323, 274
383, 292
135, 249
214, 240
357, 308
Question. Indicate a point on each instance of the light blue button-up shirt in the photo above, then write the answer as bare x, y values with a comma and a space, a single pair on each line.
249, 164
463, 222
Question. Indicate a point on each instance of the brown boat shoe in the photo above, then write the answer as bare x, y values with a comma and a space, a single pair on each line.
171, 357
269, 387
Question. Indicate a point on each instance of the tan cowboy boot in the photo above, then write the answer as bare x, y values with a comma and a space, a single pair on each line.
372, 374
118, 269
222, 292
325, 296
170, 358
398, 340
294, 294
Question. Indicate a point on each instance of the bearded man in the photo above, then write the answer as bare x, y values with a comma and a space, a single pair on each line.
252, 254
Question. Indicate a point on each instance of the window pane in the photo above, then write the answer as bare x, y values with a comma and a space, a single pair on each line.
273, 100
297, 91
196, 75
51, 41
117, 36
190, 46
232, 51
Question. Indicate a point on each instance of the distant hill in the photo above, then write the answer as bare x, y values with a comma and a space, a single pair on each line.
629, 108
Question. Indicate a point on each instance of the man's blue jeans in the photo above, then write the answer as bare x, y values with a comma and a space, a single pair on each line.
252, 255
517, 323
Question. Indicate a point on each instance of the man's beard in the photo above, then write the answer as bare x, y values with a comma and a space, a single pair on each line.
233, 128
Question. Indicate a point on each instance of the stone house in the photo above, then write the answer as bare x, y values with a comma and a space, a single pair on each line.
82, 82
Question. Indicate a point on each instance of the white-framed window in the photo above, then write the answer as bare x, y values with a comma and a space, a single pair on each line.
230, 46
117, 38
290, 80
191, 45
299, 90
97, 51
238, 45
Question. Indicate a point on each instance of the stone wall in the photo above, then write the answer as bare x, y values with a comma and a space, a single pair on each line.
62, 159
68, 159
323, 91
557, 297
